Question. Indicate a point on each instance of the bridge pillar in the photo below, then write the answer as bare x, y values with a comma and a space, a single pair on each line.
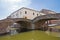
32, 26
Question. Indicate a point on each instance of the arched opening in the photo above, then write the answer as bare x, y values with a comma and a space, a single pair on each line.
24, 26
40, 21
53, 24
40, 25
12, 29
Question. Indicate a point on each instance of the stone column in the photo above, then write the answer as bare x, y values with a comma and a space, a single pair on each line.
32, 26
13, 28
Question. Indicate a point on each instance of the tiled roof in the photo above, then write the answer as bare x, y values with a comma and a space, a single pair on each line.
46, 11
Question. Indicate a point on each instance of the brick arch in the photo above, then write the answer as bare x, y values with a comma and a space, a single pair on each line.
13, 20
47, 17
25, 24
21, 19
9, 21
40, 20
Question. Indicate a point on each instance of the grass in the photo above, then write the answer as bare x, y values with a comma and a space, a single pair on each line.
55, 34
32, 35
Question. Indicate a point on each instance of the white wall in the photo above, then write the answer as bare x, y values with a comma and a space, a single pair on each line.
21, 14
29, 14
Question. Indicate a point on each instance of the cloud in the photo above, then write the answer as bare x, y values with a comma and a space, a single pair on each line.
11, 5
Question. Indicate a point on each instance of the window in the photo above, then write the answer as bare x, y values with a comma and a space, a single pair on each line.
37, 14
33, 13
25, 12
25, 17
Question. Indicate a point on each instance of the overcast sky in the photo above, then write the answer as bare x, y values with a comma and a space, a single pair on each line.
9, 6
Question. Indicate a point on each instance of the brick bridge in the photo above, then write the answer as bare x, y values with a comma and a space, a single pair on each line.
36, 23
